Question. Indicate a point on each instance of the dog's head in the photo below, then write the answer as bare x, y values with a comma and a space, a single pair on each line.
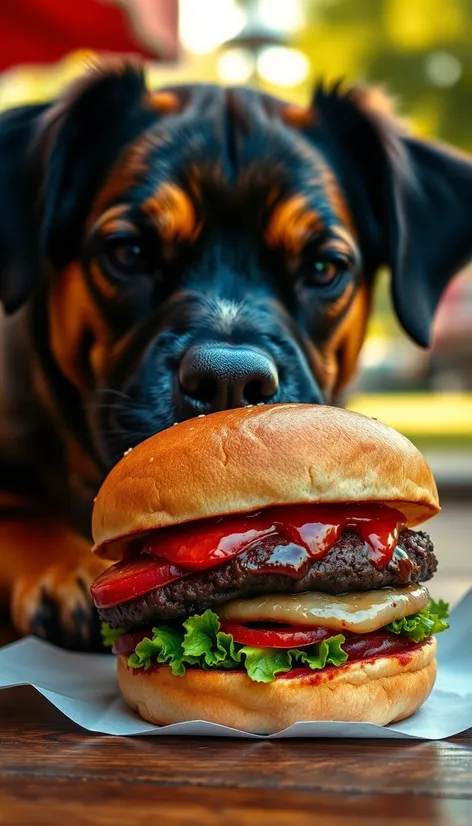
201, 248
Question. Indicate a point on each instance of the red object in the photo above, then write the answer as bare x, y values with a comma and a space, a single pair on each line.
44, 31
376, 644
129, 580
283, 637
197, 546
128, 642
200, 545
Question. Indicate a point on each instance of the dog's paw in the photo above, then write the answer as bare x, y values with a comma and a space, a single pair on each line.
57, 605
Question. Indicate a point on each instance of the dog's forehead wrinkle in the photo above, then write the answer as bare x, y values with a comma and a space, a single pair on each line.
225, 139
165, 149
231, 127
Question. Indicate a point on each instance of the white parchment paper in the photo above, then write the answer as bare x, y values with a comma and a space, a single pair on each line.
83, 687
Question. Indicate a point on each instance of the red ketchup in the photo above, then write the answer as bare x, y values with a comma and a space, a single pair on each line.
200, 545
294, 536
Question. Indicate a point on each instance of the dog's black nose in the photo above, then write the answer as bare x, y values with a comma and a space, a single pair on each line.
219, 376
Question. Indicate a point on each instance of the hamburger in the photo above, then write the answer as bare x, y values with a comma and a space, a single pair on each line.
266, 571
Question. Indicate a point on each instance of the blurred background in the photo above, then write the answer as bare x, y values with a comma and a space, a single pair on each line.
419, 51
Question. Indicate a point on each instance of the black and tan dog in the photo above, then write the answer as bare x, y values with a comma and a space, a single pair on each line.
166, 254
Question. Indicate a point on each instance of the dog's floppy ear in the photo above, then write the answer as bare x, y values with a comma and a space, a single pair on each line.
411, 200
18, 196
52, 161
88, 127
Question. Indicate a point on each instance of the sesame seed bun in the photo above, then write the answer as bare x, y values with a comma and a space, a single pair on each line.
242, 460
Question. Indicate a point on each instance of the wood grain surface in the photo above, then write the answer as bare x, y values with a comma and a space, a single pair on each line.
53, 772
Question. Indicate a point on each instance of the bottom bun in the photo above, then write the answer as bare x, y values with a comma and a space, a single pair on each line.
382, 690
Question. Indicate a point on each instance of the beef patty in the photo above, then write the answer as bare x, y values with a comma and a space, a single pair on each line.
345, 568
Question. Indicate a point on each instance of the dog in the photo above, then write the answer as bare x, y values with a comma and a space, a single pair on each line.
169, 253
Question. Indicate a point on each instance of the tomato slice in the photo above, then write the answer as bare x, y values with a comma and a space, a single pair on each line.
127, 580
283, 637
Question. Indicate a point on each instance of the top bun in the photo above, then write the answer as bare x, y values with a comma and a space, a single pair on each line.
255, 457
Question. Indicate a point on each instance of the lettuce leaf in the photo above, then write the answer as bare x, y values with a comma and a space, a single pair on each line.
328, 652
109, 634
165, 646
262, 664
200, 642
440, 608
209, 646
419, 626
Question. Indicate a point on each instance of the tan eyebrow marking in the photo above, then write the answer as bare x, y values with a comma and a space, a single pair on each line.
291, 224
173, 213
115, 220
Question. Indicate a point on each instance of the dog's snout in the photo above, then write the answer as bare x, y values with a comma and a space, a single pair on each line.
220, 376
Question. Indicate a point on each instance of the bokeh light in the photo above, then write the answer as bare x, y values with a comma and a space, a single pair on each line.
443, 69
285, 15
282, 66
235, 66
206, 24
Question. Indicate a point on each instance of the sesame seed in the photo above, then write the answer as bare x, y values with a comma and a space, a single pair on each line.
201, 416
175, 424
151, 459
127, 451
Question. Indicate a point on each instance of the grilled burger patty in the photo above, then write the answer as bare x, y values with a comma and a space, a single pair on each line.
345, 568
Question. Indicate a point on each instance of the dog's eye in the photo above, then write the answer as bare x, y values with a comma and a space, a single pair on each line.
128, 257
324, 271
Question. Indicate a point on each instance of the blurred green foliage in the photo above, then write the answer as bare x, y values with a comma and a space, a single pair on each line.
419, 50
412, 46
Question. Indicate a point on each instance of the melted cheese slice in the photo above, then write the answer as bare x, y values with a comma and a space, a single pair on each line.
357, 612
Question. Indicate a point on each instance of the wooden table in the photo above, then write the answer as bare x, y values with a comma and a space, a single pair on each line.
53, 772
